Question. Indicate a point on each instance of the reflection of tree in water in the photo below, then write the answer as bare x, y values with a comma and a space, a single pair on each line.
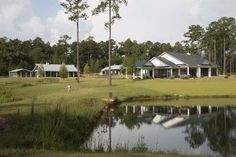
130, 120
221, 133
196, 136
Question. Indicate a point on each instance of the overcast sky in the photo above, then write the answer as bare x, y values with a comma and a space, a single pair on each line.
142, 20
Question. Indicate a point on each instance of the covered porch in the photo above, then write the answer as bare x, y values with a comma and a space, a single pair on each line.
169, 72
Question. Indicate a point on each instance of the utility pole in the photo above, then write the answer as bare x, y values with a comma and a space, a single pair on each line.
77, 51
215, 51
224, 68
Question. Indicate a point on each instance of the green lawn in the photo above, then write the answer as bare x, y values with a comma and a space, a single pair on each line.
53, 91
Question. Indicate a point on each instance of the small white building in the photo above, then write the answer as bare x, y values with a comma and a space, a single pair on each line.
20, 73
174, 64
52, 70
115, 70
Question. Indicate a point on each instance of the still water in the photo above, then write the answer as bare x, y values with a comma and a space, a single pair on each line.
206, 130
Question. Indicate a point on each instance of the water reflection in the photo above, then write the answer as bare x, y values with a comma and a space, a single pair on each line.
206, 130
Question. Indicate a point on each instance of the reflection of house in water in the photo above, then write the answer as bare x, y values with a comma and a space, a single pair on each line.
171, 116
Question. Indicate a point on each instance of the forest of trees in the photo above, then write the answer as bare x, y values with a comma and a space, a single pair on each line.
217, 43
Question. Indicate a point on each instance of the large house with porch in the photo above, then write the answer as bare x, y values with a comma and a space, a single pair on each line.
172, 64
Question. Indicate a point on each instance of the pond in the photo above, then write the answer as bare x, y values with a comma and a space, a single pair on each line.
205, 130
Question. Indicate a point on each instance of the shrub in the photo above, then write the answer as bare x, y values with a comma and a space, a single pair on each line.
63, 72
86, 69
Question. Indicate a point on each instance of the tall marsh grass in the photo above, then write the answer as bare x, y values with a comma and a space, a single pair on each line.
52, 128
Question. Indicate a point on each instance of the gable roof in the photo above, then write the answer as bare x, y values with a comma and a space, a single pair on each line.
56, 67
190, 59
113, 67
141, 63
18, 70
169, 63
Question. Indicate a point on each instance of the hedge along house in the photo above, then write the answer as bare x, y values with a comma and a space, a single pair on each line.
174, 64
20, 73
52, 70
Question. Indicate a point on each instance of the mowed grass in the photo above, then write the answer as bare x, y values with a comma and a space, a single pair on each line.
42, 91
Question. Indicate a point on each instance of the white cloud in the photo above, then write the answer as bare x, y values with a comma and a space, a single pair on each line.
163, 20
18, 21
142, 20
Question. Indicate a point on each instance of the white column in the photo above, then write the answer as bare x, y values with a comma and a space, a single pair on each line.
209, 72
153, 73
142, 110
179, 72
171, 72
188, 112
210, 109
198, 71
171, 110
199, 110
126, 73
126, 109
133, 109
187, 71
141, 73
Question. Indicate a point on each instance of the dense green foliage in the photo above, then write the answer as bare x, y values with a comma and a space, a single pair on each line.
216, 42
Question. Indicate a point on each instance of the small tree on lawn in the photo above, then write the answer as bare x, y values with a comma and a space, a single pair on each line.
63, 72
86, 69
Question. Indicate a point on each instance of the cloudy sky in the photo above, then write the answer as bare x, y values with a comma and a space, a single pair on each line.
154, 20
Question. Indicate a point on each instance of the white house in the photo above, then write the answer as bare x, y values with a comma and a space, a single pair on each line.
52, 70
115, 70
172, 64
20, 73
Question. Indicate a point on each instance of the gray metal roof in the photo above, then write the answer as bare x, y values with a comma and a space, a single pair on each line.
18, 70
169, 63
141, 63
113, 67
191, 59
56, 67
